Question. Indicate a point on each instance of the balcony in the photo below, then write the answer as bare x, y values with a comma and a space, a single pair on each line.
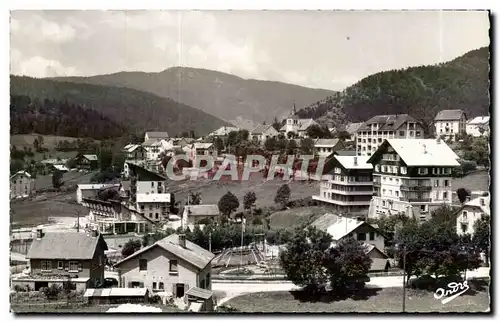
419, 200
351, 183
342, 202
415, 188
351, 193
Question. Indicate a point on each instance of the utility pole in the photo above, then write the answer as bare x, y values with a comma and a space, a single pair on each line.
242, 231
210, 241
404, 277
78, 221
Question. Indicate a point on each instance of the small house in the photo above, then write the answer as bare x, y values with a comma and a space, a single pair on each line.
87, 162
21, 185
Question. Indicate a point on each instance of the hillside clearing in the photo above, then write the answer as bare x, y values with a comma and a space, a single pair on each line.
296, 216
49, 141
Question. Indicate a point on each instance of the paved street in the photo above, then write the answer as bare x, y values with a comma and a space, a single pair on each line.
235, 289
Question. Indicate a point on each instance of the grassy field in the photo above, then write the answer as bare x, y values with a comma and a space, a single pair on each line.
38, 210
476, 181
372, 300
49, 141
296, 216
212, 191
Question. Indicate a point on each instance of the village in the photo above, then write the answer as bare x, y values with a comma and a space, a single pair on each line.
186, 245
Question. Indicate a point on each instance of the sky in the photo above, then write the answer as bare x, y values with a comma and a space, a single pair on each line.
320, 49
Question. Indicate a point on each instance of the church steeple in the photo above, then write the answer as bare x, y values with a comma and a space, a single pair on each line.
294, 109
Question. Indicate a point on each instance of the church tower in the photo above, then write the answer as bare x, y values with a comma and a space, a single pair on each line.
292, 122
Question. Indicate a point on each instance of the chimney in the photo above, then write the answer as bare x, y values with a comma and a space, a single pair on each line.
182, 240
355, 160
39, 233
94, 233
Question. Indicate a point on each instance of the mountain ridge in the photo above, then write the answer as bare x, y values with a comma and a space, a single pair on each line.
229, 97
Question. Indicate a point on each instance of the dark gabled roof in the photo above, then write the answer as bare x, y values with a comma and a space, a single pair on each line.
67, 245
449, 115
389, 122
144, 174
157, 135
345, 152
192, 253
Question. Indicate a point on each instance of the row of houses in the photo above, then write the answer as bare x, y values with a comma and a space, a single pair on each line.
172, 267
403, 176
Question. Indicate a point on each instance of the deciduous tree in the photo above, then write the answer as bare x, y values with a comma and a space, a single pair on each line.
228, 203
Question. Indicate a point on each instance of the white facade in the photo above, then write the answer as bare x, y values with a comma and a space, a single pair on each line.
263, 132
412, 177
470, 212
371, 134
478, 126
21, 185
450, 123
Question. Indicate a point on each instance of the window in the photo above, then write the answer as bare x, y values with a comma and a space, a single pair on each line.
337, 170
383, 202
464, 227
401, 133
362, 236
143, 264
73, 266
60, 265
417, 133
385, 168
422, 171
377, 168
379, 140
446, 183
372, 235
422, 208
411, 133
396, 193
150, 207
403, 170
161, 287
142, 207
154, 286
445, 195
173, 266
436, 183
383, 192
465, 214
481, 201
46, 265
202, 284
152, 184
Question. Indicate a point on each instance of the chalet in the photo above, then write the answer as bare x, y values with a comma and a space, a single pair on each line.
340, 227
373, 132
56, 257
172, 265
472, 211
157, 136
412, 177
450, 123
21, 185
87, 162
349, 186
325, 147
193, 214
478, 126
263, 132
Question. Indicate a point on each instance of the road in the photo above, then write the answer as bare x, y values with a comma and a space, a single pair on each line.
232, 290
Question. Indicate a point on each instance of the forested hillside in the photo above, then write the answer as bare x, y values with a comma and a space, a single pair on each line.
422, 91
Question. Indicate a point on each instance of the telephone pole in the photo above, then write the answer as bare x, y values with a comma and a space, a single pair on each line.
210, 241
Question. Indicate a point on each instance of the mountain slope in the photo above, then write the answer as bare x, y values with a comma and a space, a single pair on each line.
50, 117
462, 83
226, 96
138, 111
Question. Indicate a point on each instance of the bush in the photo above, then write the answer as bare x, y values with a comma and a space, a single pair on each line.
52, 292
155, 299
226, 308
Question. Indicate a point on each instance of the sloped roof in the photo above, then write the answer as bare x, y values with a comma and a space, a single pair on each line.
131, 147
476, 203
449, 115
422, 152
390, 122
223, 131
345, 152
21, 173
260, 129
354, 162
65, 245
325, 221
326, 142
90, 157
200, 293
353, 127
202, 145
479, 120
192, 253
157, 135
202, 210
306, 123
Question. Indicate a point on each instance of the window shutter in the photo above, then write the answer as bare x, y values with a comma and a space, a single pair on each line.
66, 266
